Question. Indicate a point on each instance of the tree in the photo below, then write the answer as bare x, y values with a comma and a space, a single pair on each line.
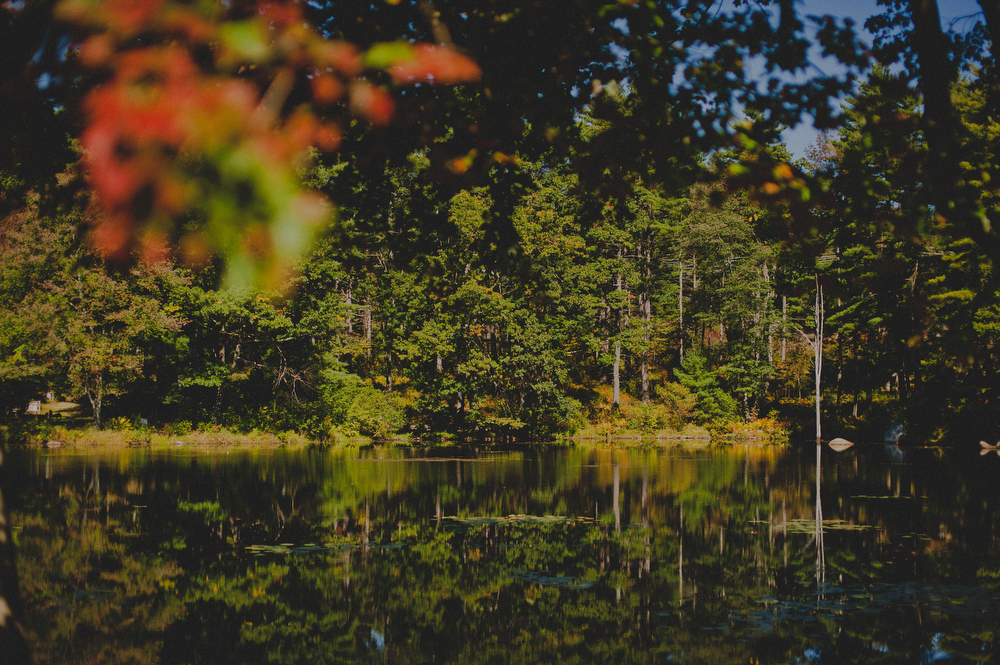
290, 72
816, 343
98, 328
209, 112
71, 324
714, 405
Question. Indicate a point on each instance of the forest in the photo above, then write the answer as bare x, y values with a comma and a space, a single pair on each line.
498, 219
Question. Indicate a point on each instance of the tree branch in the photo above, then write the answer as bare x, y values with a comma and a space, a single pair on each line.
442, 36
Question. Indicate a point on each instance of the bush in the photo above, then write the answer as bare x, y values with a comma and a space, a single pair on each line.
549, 410
679, 404
120, 424
351, 404
646, 418
376, 413
769, 428
179, 428
714, 406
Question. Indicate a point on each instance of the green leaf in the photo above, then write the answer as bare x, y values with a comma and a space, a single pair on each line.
385, 55
246, 38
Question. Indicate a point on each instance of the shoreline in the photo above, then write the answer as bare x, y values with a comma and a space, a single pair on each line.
224, 439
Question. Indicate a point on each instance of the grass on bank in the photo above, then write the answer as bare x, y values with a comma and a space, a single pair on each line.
671, 417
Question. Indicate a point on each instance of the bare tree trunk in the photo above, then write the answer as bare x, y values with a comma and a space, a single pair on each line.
647, 319
616, 370
96, 397
646, 303
388, 371
680, 308
784, 323
350, 312
819, 316
767, 318
840, 369
366, 323
857, 373
615, 380
817, 346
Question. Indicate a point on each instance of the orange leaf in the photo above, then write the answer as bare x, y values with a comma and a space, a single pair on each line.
131, 15
436, 64
341, 56
280, 13
371, 102
326, 88
113, 236
327, 137
96, 51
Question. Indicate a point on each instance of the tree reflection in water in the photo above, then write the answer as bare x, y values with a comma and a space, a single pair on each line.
530, 554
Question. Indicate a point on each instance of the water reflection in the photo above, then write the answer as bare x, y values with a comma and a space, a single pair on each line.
820, 549
529, 554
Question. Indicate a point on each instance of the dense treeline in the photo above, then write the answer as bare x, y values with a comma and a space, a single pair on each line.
587, 281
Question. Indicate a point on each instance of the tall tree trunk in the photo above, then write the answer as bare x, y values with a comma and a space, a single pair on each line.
680, 307
646, 303
840, 368
954, 197
647, 322
857, 373
217, 407
784, 326
350, 311
615, 378
820, 316
817, 347
366, 323
388, 371
96, 397
767, 318
619, 324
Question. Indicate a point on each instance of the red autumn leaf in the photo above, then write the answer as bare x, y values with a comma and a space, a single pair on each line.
436, 64
132, 15
342, 56
326, 88
372, 102
96, 51
113, 236
280, 14
327, 137
158, 104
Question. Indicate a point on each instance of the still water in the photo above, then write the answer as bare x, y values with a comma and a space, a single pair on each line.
531, 554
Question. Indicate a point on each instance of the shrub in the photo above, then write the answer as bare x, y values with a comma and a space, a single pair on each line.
647, 418
376, 413
765, 428
714, 406
679, 404
179, 428
120, 424
351, 404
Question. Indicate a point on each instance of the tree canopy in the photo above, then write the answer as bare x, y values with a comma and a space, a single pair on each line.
494, 218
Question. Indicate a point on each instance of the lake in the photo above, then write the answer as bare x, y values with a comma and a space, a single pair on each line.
721, 554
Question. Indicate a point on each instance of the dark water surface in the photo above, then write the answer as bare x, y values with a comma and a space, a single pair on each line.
533, 554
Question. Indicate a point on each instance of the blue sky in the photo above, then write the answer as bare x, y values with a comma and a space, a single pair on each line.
958, 14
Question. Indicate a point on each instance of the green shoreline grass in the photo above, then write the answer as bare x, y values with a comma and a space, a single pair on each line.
220, 438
